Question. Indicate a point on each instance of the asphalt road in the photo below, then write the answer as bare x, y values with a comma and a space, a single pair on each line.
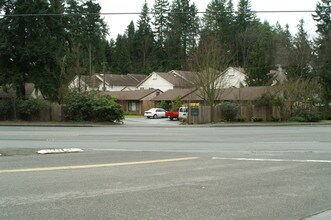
156, 169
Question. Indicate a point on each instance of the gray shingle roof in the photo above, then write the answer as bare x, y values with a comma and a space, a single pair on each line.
172, 94
131, 95
176, 80
124, 80
234, 94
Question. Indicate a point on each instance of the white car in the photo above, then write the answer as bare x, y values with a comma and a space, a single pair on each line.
155, 113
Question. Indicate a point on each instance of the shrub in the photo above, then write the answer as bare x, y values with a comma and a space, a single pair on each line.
264, 100
241, 119
176, 103
79, 106
278, 101
92, 107
257, 119
307, 115
6, 109
163, 104
106, 109
229, 111
275, 119
297, 119
30, 108
184, 121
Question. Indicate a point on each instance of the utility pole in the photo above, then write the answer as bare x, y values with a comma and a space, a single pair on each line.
104, 75
90, 58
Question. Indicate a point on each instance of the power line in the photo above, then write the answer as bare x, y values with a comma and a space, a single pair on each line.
138, 13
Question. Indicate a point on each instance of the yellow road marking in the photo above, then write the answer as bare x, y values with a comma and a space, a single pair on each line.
97, 165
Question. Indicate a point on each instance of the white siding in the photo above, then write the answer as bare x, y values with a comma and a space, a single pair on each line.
111, 88
154, 81
232, 78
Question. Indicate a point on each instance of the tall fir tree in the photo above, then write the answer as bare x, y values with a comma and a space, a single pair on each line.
283, 45
121, 62
182, 32
161, 10
322, 16
244, 16
302, 54
160, 28
260, 58
145, 41
41, 49
245, 21
218, 21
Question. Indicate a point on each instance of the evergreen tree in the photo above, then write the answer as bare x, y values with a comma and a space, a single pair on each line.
323, 18
42, 49
302, 54
27, 46
219, 22
160, 27
183, 25
122, 63
283, 45
245, 17
260, 59
145, 42
245, 21
161, 11
218, 19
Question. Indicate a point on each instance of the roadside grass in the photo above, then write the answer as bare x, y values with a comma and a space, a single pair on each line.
133, 116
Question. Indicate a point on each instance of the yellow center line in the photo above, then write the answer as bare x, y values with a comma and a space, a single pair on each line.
97, 165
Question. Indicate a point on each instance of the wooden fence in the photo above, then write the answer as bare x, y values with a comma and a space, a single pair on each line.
206, 114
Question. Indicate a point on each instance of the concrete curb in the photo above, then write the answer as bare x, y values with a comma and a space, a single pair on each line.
247, 124
57, 151
259, 124
39, 124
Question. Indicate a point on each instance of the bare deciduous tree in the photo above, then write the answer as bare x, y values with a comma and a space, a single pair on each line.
209, 63
299, 93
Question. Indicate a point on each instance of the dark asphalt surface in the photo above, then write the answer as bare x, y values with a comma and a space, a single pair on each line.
291, 179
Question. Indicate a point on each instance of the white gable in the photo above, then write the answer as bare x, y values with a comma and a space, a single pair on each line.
155, 81
232, 78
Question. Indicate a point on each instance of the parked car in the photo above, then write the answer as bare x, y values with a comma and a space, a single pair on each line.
155, 113
182, 113
173, 115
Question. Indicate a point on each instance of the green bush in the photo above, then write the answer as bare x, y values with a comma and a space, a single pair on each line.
176, 103
79, 106
6, 109
229, 111
307, 115
92, 107
163, 104
264, 100
241, 119
106, 109
184, 121
278, 101
30, 108
257, 119
275, 119
297, 119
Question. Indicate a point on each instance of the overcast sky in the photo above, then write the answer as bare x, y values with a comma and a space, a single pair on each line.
118, 23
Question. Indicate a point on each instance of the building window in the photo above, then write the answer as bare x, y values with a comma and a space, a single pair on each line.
133, 106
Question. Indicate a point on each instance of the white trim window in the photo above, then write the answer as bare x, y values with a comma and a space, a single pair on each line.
133, 106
